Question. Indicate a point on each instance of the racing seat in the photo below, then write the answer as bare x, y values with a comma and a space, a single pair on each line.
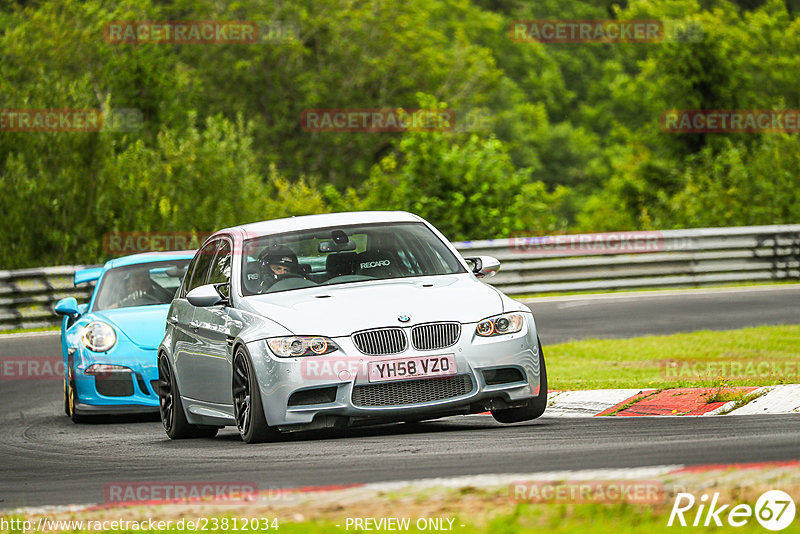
252, 276
340, 264
378, 264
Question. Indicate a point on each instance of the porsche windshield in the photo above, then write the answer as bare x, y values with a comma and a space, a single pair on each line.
143, 284
327, 256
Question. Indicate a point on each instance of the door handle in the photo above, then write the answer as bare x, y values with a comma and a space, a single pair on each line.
172, 320
195, 324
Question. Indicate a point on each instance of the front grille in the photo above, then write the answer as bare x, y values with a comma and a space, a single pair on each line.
381, 341
412, 391
435, 336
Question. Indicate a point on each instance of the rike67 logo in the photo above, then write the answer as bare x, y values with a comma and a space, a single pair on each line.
774, 510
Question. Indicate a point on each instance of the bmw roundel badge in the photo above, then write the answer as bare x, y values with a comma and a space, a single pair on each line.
404, 318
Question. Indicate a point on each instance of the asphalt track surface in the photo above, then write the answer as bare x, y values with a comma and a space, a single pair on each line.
45, 459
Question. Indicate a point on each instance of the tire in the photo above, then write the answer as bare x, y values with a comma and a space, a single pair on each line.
170, 407
248, 410
535, 406
71, 394
66, 396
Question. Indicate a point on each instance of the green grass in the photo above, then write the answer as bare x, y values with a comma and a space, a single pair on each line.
653, 289
757, 356
29, 330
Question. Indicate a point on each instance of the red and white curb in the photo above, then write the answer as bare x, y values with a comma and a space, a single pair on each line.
780, 399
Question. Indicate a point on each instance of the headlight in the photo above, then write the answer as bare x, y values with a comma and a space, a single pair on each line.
295, 346
502, 324
98, 336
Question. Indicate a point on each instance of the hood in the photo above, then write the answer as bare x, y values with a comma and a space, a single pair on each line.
340, 310
144, 325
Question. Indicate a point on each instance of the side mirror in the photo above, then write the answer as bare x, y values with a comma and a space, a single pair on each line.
207, 295
67, 306
483, 266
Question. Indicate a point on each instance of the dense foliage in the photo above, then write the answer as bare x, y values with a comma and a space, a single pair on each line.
548, 137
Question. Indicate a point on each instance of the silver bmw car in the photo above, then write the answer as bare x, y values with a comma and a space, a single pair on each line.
339, 320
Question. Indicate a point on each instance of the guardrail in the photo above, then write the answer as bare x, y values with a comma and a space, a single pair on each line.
634, 260
550, 264
27, 296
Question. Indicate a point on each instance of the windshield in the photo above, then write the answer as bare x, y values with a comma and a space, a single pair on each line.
144, 284
338, 255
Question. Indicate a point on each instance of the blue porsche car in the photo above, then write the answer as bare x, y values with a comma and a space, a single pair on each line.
110, 345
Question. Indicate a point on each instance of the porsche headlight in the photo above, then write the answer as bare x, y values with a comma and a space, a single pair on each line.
502, 324
98, 336
296, 346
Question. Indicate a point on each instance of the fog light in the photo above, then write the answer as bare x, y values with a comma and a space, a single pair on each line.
104, 369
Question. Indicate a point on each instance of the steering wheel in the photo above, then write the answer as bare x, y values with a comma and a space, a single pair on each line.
150, 299
285, 276
166, 296
142, 300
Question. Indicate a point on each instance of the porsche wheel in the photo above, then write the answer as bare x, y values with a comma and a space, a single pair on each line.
170, 406
535, 406
248, 409
66, 397
70, 395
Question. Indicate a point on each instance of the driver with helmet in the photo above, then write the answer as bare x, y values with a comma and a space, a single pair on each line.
278, 263
138, 289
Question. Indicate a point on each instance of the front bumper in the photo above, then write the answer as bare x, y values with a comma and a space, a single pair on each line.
491, 373
131, 391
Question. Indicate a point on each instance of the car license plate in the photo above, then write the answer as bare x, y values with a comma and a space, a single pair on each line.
419, 367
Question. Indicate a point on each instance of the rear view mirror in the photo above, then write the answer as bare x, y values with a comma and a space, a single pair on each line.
332, 246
